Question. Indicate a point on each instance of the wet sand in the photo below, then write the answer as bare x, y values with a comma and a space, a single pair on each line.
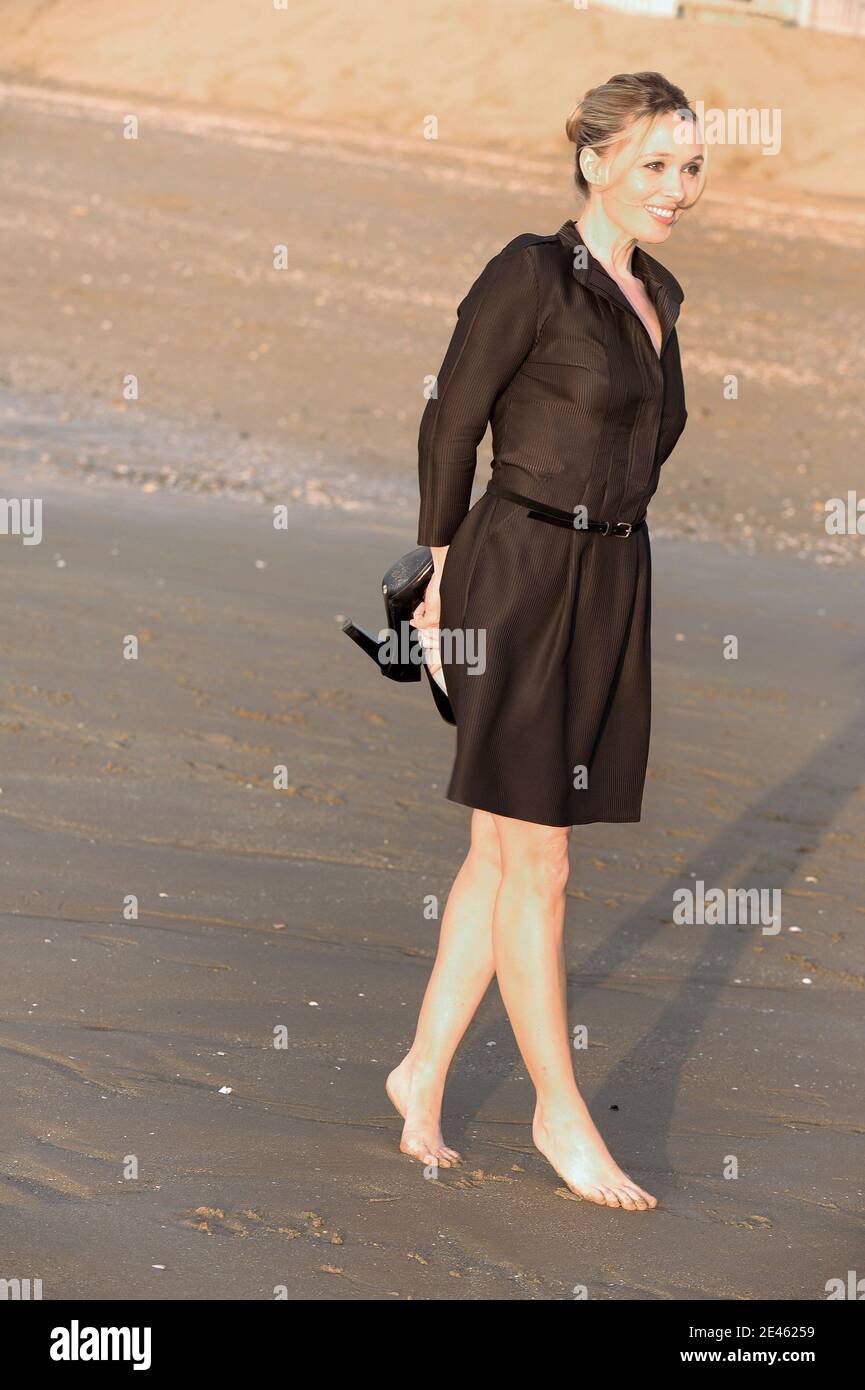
304, 907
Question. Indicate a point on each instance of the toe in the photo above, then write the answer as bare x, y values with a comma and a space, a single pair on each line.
637, 1196
626, 1200
639, 1192
607, 1197
590, 1194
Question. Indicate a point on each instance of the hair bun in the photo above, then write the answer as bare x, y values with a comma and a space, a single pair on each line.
574, 122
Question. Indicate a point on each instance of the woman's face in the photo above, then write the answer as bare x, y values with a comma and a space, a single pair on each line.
651, 176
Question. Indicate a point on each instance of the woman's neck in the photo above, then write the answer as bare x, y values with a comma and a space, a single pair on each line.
609, 244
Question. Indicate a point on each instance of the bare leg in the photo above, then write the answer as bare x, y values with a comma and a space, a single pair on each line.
528, 940
461, 976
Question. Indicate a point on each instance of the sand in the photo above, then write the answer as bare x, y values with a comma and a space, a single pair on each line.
304, 908
152, 1038
142, 249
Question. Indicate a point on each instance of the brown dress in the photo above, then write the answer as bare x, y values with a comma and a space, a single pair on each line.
555, 726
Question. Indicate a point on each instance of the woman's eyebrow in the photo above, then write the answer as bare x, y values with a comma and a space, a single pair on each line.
665, 154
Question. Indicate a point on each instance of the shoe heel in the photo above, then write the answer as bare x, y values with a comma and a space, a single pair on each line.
365, 640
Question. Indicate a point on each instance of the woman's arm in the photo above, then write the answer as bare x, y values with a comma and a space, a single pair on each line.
497, 326
496, 329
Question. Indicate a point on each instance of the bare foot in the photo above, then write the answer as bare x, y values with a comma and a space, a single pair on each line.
417, 1098
579, 1155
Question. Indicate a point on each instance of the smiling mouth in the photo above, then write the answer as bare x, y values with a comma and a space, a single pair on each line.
666, 215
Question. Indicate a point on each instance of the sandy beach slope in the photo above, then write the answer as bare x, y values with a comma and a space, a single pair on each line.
155, 257
496, 73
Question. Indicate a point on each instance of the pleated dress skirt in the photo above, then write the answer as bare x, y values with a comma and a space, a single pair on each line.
551, 680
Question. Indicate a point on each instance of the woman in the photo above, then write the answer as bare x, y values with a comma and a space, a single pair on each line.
567, 343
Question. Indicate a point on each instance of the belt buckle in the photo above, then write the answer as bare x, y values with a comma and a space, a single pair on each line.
628, 527
606, 530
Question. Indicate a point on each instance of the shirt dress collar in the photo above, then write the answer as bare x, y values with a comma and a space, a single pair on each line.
663, 288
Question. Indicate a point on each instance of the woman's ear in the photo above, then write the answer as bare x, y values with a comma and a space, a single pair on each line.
590, 165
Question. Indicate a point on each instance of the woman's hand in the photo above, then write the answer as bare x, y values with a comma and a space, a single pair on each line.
427, 616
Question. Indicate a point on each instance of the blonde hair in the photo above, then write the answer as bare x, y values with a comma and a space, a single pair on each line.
610, 113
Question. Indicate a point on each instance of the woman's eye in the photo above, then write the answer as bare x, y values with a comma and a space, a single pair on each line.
656, 164
693, 170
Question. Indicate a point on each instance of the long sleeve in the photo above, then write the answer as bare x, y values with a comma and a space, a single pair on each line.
496, 329
674, 412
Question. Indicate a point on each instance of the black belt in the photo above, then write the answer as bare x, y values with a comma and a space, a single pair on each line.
556, 516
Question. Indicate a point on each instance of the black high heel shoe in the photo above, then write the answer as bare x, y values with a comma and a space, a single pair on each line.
400, 655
